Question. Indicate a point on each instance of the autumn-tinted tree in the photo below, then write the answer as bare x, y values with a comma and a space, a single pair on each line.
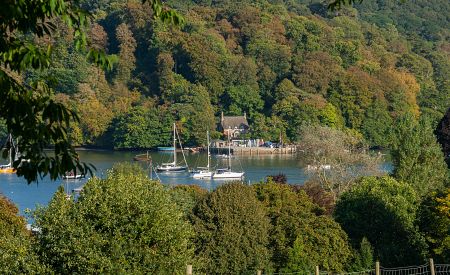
315, 73
127, 60
434, 223
16, 243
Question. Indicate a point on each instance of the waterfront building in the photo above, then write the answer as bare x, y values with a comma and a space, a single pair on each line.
233, 126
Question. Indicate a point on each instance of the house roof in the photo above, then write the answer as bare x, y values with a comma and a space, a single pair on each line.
231, 122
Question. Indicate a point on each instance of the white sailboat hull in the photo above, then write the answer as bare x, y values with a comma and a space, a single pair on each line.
228, 175
172, 166
202, 175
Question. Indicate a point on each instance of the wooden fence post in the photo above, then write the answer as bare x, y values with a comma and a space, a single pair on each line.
189, 269
317, 270
432, 266
377, 268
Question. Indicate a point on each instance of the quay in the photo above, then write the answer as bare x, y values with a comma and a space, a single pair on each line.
240, 150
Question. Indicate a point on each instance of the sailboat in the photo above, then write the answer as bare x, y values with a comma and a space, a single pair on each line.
8, 168
204, 172
226, 173
173, 166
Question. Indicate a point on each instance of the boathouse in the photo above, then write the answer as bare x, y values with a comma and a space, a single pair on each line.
235, 126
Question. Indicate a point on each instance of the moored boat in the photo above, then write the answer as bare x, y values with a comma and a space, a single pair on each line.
8, 168
73, 177
173, 166
204, 172
227, 173
166, 149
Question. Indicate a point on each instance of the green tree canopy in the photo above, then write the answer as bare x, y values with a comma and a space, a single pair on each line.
384, 211
417, 157
122, 224
232, 231
16, 243
434, 222
296, 230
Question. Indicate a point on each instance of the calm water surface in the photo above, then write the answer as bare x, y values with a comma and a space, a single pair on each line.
256, 168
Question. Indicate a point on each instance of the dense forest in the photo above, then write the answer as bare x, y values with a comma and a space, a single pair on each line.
284, 63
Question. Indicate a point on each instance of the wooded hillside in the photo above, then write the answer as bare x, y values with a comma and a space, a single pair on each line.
284, 63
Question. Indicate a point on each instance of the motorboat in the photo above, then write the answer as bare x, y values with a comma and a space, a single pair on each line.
73, 176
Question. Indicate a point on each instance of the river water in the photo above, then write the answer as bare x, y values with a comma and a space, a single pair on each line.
256, 169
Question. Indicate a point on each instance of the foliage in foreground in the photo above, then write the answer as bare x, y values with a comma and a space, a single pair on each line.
122, 224
434, 222
129, 224
232, 231
384, 211
300, 238
17, 254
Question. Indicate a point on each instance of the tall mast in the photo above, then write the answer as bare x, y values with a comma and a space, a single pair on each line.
10, 148
207, 142
229, 151
174, 145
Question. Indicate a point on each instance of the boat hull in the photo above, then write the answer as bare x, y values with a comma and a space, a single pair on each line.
228, 175
171, 169
165, 149
7, 171
73, 177
202, 175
